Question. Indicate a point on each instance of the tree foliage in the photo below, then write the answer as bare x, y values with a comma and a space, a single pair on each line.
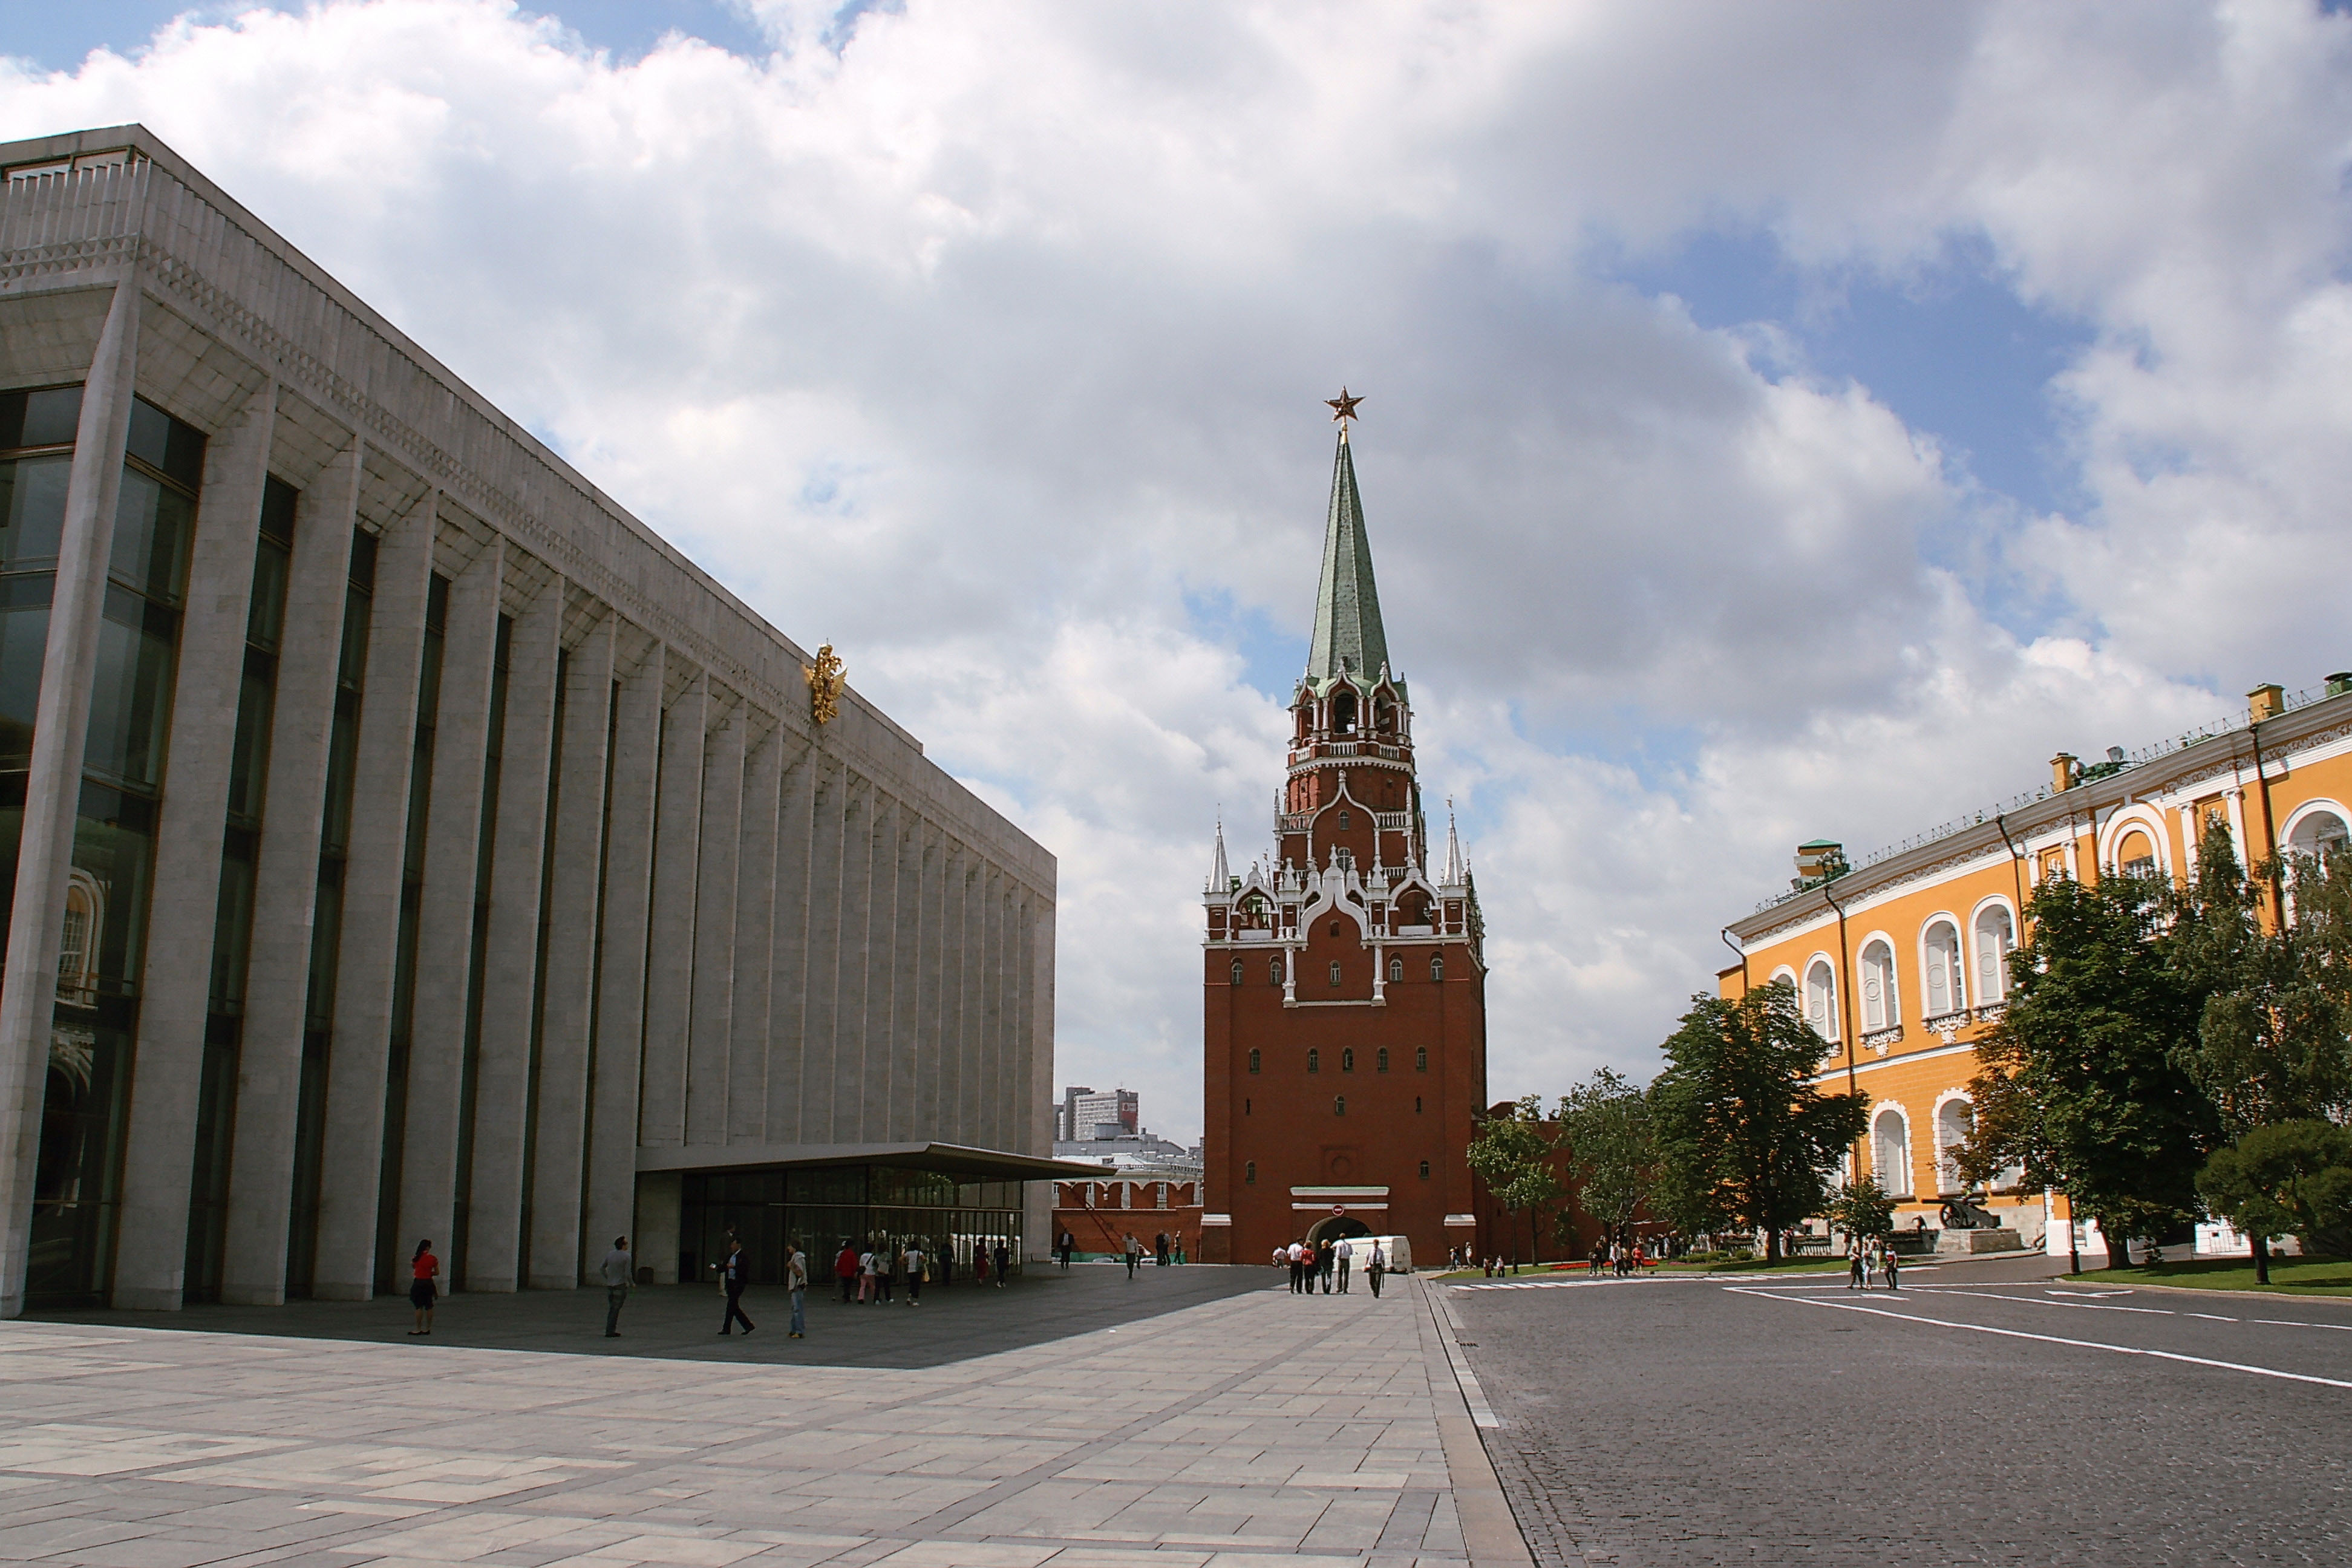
1862, 1209
1742, 1132
2289, 1178
2082, 1081
1512, 1155
1609, 1133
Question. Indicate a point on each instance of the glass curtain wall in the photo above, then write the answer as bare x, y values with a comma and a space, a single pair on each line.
76, 1187
864, 1206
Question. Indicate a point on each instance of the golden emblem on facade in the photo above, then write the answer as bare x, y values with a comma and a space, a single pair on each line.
824, 684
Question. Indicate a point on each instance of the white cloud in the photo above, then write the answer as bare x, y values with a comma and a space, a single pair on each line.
984, 339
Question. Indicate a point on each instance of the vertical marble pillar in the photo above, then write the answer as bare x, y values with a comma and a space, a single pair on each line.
821, 1033
993, 1128
957, 1085
622, 954
669, 968
750, 1048
351, 1153
29, 986
897, 1121
444, 941
286, 889
788, 989
573, 900
710, 1031
865, 969
494, 1228
175, 981
930, 1055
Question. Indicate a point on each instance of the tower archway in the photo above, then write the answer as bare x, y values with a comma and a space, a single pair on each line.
1331, 1228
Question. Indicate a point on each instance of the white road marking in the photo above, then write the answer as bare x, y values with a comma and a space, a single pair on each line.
2053, 1339
2290, 1324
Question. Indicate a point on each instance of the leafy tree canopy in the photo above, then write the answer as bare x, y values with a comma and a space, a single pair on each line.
1607, 1127
1742, 1132
2290, 1178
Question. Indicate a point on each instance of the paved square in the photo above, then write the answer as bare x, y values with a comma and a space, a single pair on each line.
1256, 1428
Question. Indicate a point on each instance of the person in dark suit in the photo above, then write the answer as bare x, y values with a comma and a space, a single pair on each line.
733, 1275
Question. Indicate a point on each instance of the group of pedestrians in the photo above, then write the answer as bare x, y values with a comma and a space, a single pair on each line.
1876, 1256
1328, 1263
1618, 1258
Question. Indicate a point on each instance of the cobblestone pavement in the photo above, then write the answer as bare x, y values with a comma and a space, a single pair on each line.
1254, 1430
1987, 1414
680, 1321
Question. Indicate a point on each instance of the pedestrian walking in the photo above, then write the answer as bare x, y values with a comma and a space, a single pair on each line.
620, 1269
1003, 1262
733, 1276
1133, 1253
1891, 1269
424, 1286
1297, 1268
1347, 1255
1377, 1266
915, 1273
1324, 1261
1069, 1246
980, 1262
796, 1282
845, 1268
886, 1269
865, 1276
1855, 1251
1160, 1246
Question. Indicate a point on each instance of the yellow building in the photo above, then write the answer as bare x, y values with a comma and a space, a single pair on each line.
1902, 959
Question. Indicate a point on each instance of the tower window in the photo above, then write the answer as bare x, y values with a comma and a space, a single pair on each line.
1253, 1061
1249, 1172
1396, 970
1336, 928
1346, 821
1245, 1108
1424, 1170
1339, 1105
1273, 969
1314, 1060
1381, 1061
1343, 712
1347, 1059
1237, 971
1437, 968
1420, 1060
1335, 972
1416, 1105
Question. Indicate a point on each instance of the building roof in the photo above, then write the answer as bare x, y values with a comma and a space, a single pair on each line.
1348, 636
949, 1158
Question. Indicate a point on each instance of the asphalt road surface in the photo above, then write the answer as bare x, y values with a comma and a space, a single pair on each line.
1985, 1412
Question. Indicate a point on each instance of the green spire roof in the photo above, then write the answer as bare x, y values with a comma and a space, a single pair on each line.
1348, 639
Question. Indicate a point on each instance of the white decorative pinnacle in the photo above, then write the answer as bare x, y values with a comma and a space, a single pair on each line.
1454, 862
1220, 879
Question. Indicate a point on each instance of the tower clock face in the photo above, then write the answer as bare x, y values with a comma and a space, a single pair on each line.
1344, 1007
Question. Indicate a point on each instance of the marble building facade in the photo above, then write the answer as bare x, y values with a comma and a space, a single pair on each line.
405, 840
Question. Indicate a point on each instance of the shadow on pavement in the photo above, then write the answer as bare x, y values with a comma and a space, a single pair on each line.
680, 1323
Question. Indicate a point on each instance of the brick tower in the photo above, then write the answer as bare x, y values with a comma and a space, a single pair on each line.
1344, 980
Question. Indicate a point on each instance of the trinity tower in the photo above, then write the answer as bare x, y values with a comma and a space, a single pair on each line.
1344, 979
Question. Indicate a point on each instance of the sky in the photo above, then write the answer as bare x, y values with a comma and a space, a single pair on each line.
1780, 422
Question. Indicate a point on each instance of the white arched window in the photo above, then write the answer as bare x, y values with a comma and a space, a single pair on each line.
2316, 832
2136, 853
1890, 1153
1880, 1007
1821, 999
1941, 958
1955, 1120
1995, 936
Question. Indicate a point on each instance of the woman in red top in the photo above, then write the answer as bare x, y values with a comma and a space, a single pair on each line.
845, 1268
425, 1287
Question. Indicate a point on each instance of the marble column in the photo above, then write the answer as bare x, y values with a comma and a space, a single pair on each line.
351, 1153
930, 1057
444, 940
494, 1224
750, 1048
897, 1122
788, 989
865, 970
286, 889
991, 1009
828, 893
53, 787
669, 969
716, 879
617, 1051
958, 1084
184, 900
574, 900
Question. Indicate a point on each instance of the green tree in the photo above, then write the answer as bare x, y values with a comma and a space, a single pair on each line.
1610, 1137
2082, 1082
2290, 1178
1862, 1209
1742, 1131
1512, 1155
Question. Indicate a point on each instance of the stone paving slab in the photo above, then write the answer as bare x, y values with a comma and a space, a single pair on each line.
1246, 1431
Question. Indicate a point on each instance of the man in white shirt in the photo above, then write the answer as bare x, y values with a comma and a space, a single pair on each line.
620, 1270
1346, 1251
1297, 1268
914, 1274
